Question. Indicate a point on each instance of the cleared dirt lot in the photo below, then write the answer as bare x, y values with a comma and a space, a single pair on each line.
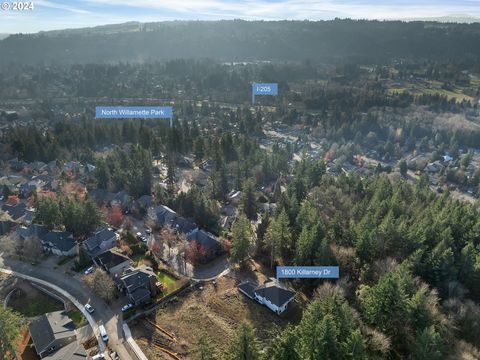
216, 310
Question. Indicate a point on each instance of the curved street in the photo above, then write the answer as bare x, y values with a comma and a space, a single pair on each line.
75, 289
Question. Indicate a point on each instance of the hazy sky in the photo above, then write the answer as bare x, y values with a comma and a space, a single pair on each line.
60, 14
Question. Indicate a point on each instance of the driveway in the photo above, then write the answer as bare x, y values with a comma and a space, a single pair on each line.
210, 271
103, 313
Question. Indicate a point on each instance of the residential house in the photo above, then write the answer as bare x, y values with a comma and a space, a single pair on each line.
29, 188
164, 216
51, 332
36, 167
104, 197
59, 243
434, 167
271, 294
113, 262
19, 212
208, 241
35, 230
100, 241
17, 165
123, 199
139, 285
6, 226
73, 166
48, 182
72, 351
142, 204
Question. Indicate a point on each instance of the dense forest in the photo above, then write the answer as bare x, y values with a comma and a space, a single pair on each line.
410, 270
370, 41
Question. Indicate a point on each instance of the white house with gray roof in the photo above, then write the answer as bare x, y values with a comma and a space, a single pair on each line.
271, 294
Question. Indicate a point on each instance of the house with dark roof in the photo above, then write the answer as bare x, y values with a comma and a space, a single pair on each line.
142, 204
104, 197
35, 230
101, 240
208, 241
139, 285
16, 211
271, 294
73, 351
27, 189
51, 332
59, 243
113, 262
164, 216
6, 226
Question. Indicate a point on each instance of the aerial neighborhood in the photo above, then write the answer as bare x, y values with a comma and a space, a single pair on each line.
240, 190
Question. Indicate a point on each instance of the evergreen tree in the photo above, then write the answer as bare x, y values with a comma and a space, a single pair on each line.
204, 349
428, 345
244, 345
241, 242
11, 326
249, 200
284, 347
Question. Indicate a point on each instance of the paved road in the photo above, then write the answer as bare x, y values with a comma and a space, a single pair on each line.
103, 313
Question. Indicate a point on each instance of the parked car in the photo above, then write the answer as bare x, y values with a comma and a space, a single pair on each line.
98, 357
139, 235
89, 270
126, 307
114, 356
89, 308
148, 231
103, 333
143, 238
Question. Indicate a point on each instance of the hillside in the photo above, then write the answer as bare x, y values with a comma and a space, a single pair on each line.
370, 41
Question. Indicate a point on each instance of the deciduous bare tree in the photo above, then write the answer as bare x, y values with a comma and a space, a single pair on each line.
101, 284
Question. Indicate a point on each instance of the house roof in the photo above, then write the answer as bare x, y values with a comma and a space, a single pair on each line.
183, 225
60, 240
32, 230
248, 289
110, 259
6, 226
166, 216
138, 278
209, 241
145, 201
102, 195
15, 211
98, 237
139, 294
72, 351
46, 328
275, 293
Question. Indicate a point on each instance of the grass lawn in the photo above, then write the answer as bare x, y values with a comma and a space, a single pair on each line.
34, 303
77, 317
168, 281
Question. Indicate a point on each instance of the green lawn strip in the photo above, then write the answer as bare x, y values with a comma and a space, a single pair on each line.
31, 306
77, 317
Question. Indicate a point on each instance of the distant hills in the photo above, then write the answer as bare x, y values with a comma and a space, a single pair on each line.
3, 36
237, 40
453, 18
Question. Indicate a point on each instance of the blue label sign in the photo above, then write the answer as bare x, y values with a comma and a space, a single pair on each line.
263, 89
308, 272
134, 112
